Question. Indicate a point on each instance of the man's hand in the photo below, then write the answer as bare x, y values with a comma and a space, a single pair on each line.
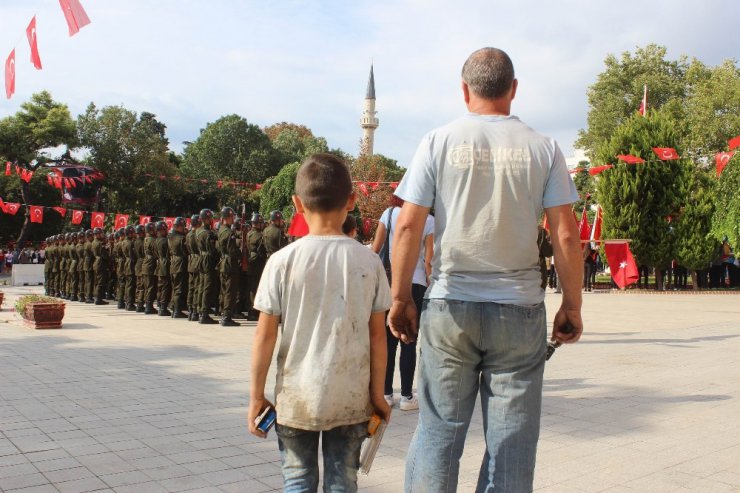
381, 407
256, 406
563, 318
402, 320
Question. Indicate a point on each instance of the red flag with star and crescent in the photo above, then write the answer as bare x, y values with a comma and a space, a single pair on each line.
98, 220
666, 153
75, 15
33, 42
630, 159
11, 208
10, 75
36, 212
722, 158
77, 217
621, 264
61, 210
734, 142
121, 220
145, 220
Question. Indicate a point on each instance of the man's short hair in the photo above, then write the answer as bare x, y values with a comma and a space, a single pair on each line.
488, 72
323, 183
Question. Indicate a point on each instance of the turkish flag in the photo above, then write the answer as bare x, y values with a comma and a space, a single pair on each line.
169, 221
298, 226
666, 153
10, 75
367, 226
596, 228
734, 142
61, 210
97, 220
374, 185
630, 159
583, 227
621, 264
32, 41
188, 222
722, 159
145, 220
75, 15
599, 169
394, 185
37, 213
121, 220
26, 175
77, 217
11, 208
7, 168
363, 188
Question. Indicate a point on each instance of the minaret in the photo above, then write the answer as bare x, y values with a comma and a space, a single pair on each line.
369, 122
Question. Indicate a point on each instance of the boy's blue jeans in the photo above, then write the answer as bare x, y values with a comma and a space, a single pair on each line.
299, 450
467, 347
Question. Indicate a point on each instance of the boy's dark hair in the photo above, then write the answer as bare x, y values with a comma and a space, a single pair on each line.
349, 225
323, 183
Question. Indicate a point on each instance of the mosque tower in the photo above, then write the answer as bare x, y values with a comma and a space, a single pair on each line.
369, 122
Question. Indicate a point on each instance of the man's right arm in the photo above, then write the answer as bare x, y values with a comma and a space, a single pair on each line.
566, 244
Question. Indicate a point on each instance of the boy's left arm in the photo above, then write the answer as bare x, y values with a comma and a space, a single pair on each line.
263, 346
378, 362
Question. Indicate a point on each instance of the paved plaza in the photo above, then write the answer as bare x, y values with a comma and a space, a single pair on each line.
649, 401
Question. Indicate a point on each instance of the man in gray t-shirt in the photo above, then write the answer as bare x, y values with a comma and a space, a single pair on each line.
489, 177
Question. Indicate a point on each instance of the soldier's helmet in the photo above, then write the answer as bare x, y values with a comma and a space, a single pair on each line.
122, 231
161, 226
81, 235
227, 212
98, 231
130, 230
179, 221
195, 220
257, 218
89, 233
140, 229
150, 228
275, 215
118, 233
206, 214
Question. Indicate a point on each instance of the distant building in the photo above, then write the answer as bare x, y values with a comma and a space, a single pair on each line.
369, 121
578, 156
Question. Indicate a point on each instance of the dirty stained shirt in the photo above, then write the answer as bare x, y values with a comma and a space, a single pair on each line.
324, 288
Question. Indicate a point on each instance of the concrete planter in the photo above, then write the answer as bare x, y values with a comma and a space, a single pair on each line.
43, 315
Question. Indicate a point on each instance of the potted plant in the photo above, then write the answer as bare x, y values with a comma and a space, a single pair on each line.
40, 312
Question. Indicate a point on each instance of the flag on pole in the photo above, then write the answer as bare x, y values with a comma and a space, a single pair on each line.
666, 153
10, 75
33, 42
596, 227
583, 227
621, 264
643, 103
37, 213
75, 15
77, 217
7, 168
722, 158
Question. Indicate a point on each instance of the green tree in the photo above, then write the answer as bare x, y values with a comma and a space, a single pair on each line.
615, 96
277, 191
695, 245
726, 218
25, 139
294, 142
127, 147
638, 199
586, 187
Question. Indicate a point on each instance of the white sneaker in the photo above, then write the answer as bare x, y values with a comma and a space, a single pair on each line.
389, 399
409, 403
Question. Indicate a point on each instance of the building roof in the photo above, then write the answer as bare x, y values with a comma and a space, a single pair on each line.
370, 94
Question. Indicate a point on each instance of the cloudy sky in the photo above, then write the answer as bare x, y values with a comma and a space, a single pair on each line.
192, 61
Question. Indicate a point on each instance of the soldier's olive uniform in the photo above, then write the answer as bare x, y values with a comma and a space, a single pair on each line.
149, 270
193, 271
178, 269
164, 286
72, 277
229, 267
206, 241
274, 239
63, 253
120, 262
89, 272
80, 250
257, 259
49, 270
129, 272
100, 268
140, 254
111, 285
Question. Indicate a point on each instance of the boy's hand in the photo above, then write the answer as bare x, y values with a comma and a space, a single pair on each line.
256, 406
381, 408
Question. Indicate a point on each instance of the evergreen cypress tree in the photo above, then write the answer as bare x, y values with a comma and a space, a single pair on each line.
695, 244
726, 219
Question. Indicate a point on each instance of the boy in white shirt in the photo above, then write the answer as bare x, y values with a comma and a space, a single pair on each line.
330, 294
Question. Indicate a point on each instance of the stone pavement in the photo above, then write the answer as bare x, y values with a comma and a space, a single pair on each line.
116, 401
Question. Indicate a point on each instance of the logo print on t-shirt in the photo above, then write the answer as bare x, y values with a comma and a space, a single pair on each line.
461, 156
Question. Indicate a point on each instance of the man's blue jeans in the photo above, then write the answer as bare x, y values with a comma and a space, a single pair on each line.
299, 450
467, 347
